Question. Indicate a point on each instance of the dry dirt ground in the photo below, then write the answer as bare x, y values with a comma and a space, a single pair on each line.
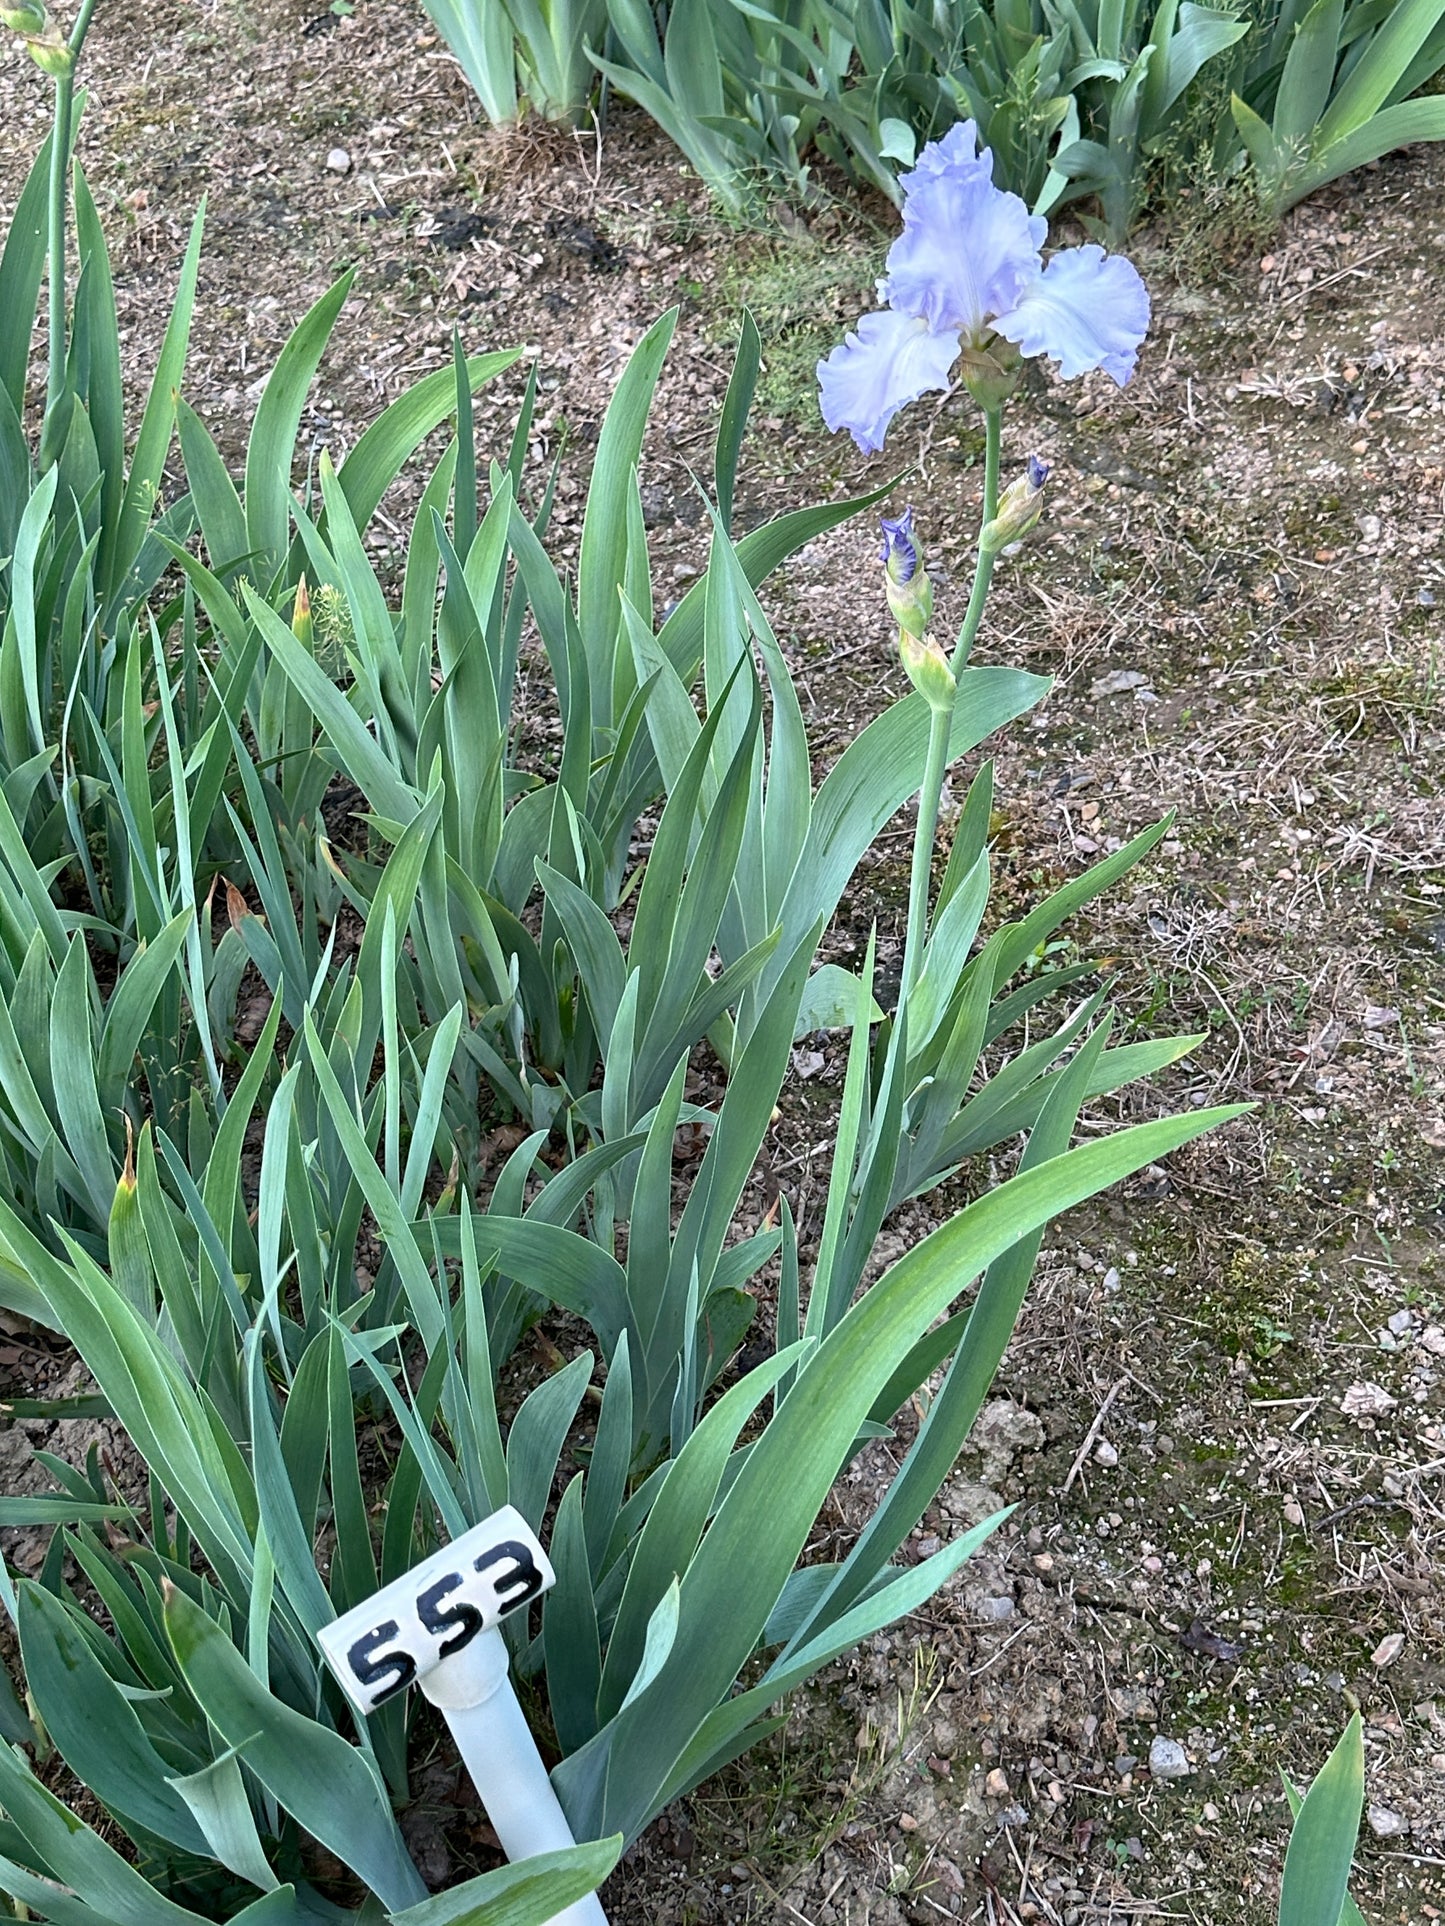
1222, 1417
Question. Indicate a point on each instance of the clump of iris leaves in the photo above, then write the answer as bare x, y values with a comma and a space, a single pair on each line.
1111, 105
289, 925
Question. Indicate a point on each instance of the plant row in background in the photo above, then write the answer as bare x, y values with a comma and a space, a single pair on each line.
1079, 100
274, 1240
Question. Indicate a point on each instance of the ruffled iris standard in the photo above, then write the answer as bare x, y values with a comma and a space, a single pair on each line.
967, 272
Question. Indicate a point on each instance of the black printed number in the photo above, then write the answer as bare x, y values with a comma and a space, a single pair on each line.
512, 1588
455, 1625
372, 1664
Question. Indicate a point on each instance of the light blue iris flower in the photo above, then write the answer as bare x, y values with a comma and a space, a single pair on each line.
967, 269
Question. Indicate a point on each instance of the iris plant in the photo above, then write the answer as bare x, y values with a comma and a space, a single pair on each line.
967, 282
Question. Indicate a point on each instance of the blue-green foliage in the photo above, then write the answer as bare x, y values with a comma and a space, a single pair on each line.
1326, 87
1322, 1842
272, 1250
1077, 99
524, 53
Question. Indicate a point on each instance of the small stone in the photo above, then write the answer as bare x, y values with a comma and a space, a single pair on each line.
1110, 1281
1211, 1811
996, 1784
1105, 1454
1366, 1400
1118, 682
971, 1503
1433, 1339
1399, 1323
1293, 1512
1388, 1649
1168, 1759
993, 1611
1003, 1430
1386, 1824
1132, 1702
907, 1821
338, 161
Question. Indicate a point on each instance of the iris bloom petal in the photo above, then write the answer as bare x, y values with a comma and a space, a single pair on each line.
890, 361
1086, 310
957, 154
966, 252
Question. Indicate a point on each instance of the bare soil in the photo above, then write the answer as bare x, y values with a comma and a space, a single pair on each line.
1222, 1416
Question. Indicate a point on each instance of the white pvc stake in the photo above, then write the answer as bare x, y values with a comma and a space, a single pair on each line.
436, 1627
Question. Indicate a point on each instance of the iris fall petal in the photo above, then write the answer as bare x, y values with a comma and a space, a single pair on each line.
891, 360
1086, 310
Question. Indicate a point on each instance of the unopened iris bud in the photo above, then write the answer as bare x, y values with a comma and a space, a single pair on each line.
50, 53
301, 624
1019, 507
28, 19
905, 580
927, 669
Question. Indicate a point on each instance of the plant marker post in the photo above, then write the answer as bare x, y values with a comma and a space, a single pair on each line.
436, 1627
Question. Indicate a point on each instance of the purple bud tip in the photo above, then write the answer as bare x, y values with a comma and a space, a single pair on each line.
900, 551
1038, 472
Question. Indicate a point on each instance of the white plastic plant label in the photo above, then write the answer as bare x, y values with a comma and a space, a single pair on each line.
399, 1634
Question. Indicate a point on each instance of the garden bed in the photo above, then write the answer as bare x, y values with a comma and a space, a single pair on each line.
1222, 1417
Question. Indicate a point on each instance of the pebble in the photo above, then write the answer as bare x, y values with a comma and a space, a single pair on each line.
996, 1785
1118, 682
1105, 1454
338, 161
993, 1611
1386, 1824
1167, 1759
1400, 1322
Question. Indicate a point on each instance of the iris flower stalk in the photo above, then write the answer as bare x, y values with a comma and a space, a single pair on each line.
56, 55
967, 284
